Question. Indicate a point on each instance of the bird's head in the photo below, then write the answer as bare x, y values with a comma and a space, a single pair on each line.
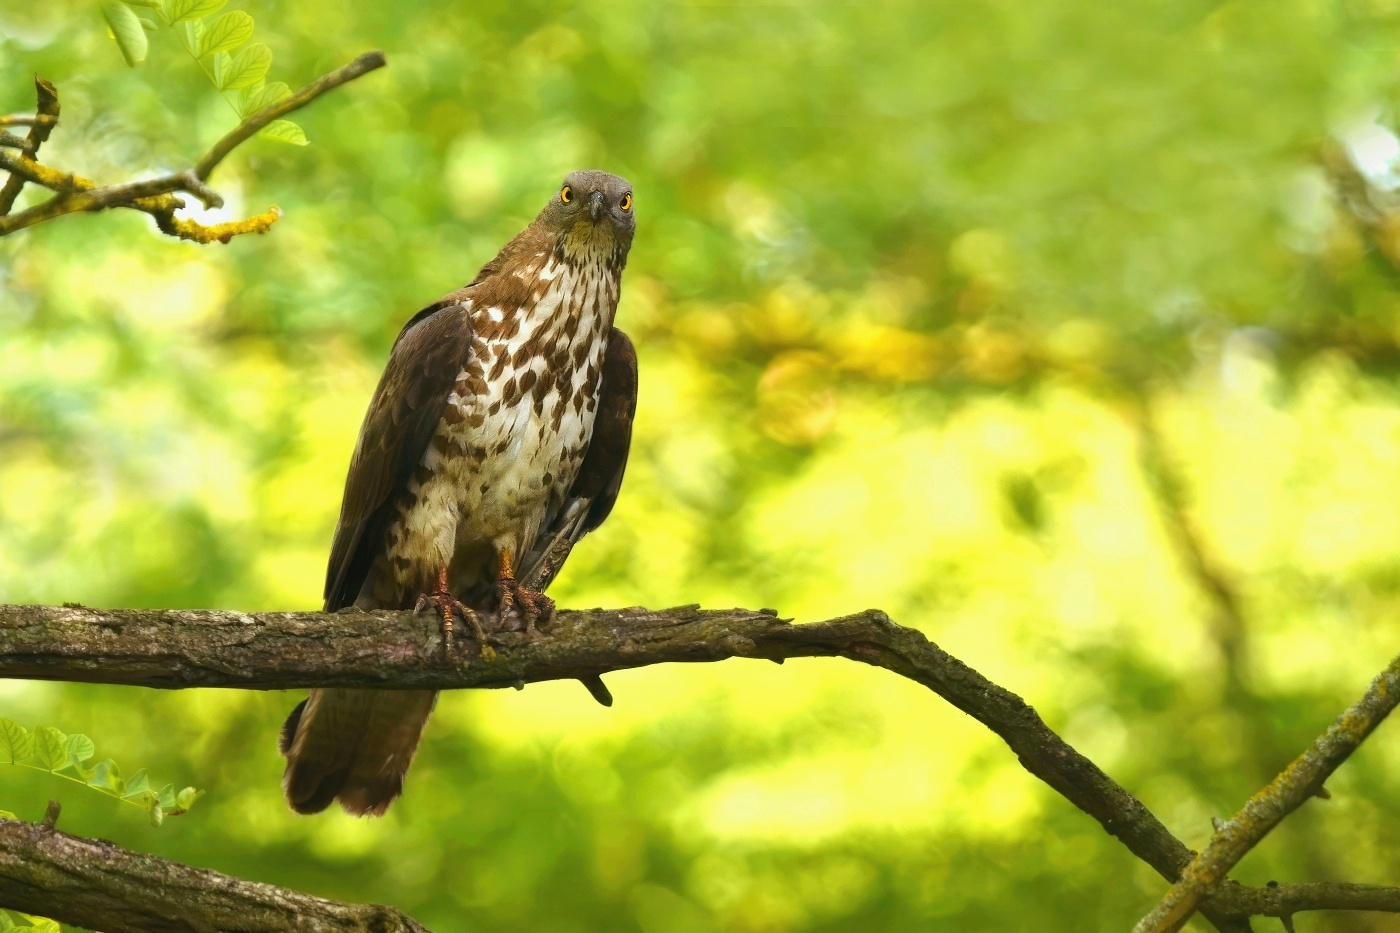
592, 213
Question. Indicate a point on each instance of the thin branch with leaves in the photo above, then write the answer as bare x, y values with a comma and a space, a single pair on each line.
211, 44
156, 196
66, 756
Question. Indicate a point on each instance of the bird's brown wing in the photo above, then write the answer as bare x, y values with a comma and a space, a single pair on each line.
595, 489
428, 354
599, 478
600, 475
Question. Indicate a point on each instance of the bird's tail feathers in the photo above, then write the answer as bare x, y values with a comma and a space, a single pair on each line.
352, 745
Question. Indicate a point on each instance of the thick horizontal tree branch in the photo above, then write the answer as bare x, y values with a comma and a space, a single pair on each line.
155, 196
94, 884
403, 650
1301, 780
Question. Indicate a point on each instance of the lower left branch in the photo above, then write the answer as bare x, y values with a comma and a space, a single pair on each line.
100, 886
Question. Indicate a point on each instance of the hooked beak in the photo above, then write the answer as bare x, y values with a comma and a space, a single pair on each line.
595, 205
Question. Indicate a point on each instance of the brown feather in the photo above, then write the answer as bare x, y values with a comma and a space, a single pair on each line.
595, 490
339, 742
600, 476
428, 354
599, 480
458, 391
359, 749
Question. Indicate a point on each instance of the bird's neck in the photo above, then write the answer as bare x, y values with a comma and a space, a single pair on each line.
578, 297
541, 297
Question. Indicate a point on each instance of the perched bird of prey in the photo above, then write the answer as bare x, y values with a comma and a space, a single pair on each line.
496, 439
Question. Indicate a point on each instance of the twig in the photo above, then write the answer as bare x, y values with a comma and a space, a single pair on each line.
1168, 485
40, 125
42, 119
172, 649
1302, 779
82, 194
96, 885
365, 63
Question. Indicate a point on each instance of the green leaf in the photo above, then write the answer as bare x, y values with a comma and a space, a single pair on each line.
285, 131
42, 924
194, 32
137, 785
147, 23
148, 4
108, 777
245, 69
50, 748
7, 815
127, 30
80, 748
227, 32
257, 97
16, 744
5, 922
177, 11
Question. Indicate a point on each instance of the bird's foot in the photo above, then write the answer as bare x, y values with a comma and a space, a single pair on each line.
513, 598
528, 605
447, 606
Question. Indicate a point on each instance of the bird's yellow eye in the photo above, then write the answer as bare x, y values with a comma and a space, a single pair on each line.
626, 204
566, 194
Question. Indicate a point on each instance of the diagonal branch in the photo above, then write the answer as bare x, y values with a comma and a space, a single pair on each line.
40, 126
401, 650
99, 886
327, 82
1266, 809
1167, 483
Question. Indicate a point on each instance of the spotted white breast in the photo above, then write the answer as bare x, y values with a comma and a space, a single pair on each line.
516, 425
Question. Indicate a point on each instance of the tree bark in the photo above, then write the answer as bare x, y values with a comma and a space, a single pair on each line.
94, 884
404, 650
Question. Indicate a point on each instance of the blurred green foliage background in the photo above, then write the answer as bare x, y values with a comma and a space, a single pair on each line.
1066, 332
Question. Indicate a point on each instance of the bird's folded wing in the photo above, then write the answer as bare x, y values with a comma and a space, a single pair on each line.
429, 353
595, 489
